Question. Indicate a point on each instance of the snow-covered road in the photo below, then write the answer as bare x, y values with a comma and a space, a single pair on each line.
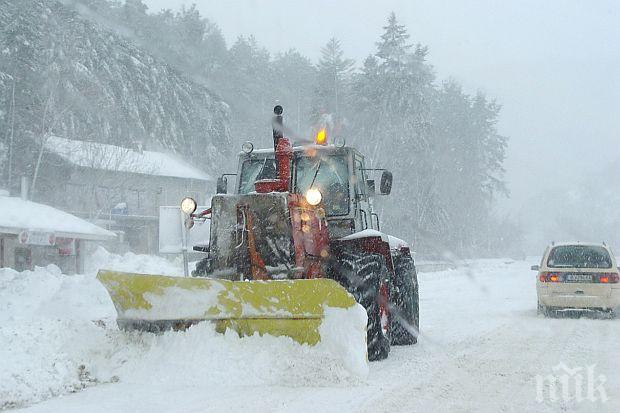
481, 349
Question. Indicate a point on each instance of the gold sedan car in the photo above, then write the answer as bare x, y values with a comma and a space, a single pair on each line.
577, 277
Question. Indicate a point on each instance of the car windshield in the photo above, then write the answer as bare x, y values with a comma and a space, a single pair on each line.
329, 174
254, 170
579, 256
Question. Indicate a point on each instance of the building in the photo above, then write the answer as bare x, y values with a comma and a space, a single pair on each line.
120, 189
37, 234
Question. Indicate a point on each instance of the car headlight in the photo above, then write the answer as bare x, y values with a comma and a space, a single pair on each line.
188, 205
313, 196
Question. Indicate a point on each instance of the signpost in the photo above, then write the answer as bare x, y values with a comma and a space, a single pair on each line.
178, 232
188, 223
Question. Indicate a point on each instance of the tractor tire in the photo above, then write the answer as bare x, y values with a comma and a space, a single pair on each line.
404, 302
365, 276
203, 267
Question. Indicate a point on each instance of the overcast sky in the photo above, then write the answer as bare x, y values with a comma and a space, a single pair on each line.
553, 65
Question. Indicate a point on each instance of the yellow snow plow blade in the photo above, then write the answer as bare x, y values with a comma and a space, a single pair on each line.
293, 308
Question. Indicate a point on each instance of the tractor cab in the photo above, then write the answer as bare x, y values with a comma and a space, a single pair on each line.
334, 175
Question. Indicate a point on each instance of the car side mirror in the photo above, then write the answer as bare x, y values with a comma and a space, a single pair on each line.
535, 268
222, 185
370, 187
386, 183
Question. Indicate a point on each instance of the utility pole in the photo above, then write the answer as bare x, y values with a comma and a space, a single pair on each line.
10, 170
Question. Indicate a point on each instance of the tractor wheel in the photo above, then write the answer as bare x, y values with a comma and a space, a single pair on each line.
404, 302
365, 277
202, 268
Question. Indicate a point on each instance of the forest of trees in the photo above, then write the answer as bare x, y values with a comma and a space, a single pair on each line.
441, 143
64, 75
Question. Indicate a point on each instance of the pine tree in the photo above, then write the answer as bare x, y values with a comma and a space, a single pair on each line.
393, 49
392, 108
249, 88
333, 82
134, 9
294, 78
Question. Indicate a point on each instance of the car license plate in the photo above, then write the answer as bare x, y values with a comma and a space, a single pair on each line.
579, 278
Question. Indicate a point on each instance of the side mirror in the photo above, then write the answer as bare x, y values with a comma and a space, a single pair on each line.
386, 183
222, 185
370, 187
535, 268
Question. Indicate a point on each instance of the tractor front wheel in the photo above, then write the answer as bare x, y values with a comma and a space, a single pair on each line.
404, 301
366, 277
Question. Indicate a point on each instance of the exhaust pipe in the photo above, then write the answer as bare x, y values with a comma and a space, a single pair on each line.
276, 124
283, 154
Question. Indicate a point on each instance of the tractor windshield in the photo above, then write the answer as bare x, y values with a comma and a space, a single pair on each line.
254, 170
330, 175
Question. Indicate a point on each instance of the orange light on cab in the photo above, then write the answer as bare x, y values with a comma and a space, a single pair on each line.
321, 137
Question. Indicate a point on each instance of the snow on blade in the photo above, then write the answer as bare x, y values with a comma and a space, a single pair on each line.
130, 262
343, 334
177, 303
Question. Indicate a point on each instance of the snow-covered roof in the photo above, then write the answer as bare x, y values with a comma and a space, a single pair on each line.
568, 243
17, 215
116, 158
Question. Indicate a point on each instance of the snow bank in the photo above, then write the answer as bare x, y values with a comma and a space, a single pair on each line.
200, 357
58, 335
46, 332
343, 334
130, 262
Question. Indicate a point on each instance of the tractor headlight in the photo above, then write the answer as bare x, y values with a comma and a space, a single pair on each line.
188, 205
247, 147
314, 196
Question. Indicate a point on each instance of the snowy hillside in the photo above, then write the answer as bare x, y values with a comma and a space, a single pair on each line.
86, 82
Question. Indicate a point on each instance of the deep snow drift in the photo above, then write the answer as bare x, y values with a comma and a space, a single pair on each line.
58, 335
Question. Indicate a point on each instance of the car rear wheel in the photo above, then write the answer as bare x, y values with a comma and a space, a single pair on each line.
542, 310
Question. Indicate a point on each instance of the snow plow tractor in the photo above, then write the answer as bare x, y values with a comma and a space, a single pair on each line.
297, 236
